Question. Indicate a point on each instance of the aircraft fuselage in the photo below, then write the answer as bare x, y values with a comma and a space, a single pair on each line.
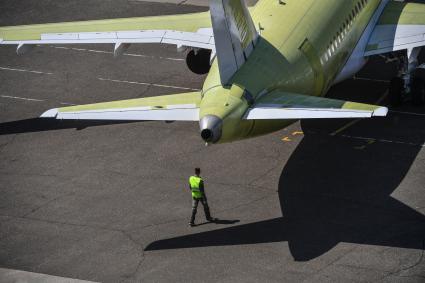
305, 46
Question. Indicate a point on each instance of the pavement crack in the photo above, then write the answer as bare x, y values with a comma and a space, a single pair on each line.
46, 203
182, 2
419, 261
141, 257
4, 145
251, 183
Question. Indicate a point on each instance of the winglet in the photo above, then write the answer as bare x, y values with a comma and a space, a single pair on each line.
52, 113
235, 35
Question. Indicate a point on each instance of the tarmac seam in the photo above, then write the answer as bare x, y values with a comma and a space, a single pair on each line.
409, 267
335, 260
142, 256
47, 203
4, 145
93, 227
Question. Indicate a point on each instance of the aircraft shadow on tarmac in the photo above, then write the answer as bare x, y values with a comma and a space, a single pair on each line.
43, 124
329, 193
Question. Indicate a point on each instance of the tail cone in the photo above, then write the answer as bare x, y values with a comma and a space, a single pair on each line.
211, 127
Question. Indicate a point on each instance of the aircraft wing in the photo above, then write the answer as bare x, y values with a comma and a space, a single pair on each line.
285, 105
176, 107
401, 26
192, 30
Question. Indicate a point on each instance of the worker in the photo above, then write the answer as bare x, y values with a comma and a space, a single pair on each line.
196, 185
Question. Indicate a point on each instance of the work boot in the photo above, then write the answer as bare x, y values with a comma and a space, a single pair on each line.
192, 218
207, 214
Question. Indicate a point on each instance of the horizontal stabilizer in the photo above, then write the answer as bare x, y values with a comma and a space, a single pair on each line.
177, 107
284, 105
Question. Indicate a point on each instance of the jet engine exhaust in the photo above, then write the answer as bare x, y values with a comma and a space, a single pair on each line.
211, 127
199, 62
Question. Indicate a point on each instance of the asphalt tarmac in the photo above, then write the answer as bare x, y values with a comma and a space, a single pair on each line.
321, 201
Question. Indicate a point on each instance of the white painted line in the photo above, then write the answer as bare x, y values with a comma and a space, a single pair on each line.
372, 80
21, 98
408, 113
65, 103
24, 70
109, 52
33, 99
149, 84
13, 275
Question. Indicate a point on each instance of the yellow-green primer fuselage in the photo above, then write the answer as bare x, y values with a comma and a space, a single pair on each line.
303, 46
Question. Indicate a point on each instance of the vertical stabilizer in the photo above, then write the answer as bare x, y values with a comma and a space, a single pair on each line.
234, 35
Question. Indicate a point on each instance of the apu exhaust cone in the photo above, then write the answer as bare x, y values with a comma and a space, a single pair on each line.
211, 127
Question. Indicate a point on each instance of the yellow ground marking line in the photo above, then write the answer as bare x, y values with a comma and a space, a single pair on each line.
348, 125
369, 142
373, 140
297, 133
288, 139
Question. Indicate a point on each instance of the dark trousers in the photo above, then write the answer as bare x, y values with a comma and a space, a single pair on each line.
195, 202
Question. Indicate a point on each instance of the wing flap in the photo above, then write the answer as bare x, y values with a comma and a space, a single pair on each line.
186, 29
177, 107
401, 26
184, 22
284, 105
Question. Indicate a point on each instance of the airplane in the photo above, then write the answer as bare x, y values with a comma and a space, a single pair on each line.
268, 65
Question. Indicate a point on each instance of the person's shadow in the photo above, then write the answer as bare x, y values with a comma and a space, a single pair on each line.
219, 221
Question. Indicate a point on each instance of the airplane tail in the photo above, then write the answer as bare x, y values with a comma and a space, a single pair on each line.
235, 35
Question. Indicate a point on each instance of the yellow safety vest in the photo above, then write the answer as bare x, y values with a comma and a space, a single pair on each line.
194, 183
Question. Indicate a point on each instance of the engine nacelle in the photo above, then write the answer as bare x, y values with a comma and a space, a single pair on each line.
198, 61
